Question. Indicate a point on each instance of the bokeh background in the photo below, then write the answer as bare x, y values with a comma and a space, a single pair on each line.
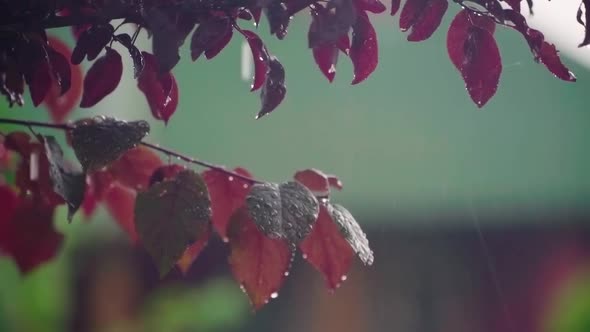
478, 217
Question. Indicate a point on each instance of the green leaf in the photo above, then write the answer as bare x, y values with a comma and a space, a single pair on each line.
172, 215
99, 141
70, 184
286, 211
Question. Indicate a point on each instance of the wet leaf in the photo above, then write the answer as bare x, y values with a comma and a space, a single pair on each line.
208, 34
70, 184
423, 17
220, 44
326, 249
548, 55
165, 172
278, 18
172, 215
227, 195
160, 90
364, 52
330, 23
135, 54
352, 232
100, 141
102, 78
395, 4
315, 180
326, 57
285, 211
274, 89
258, 263
473, 50
91, 42
260, 57
373, 6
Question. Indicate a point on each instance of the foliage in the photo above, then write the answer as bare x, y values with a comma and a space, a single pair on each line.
170, 210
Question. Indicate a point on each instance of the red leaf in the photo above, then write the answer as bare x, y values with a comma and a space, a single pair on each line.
373, 6
326, 57
9, 203
423, 16
91, 42
160, 90
102, 78
29, 236
135, 167
258, 263
211, 35
474, 53
192, 252
327, 250
39, 80
227, 195
315, 180
120, 203
364, 51
90, 201
548, 55
220, 44
97, 185
260, 57
395, 4
335, 182
61, 104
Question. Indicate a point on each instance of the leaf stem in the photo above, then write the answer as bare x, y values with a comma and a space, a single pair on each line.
155, 147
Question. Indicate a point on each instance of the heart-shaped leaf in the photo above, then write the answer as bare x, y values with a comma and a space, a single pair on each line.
284, 211
172, 215
99, 141
258, 263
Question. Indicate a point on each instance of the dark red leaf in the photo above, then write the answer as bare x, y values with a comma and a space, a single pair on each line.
227, 195
192, 252
60, 65
315, 180
120, 203
327, 250
329, 24
474, 52
29, 236
395, 4
39, 80
278, 18
373, 6
9, 204
343, 44
90, 202
160, 90
12, 84
274, 89
135, 168
364, 52
256, 12
260, 57
97, 185
220, 44
514, 4
209, 35
326, 57
91, 42
423, 17
258, 263
138, 61
102, 78
59, 104
548, 55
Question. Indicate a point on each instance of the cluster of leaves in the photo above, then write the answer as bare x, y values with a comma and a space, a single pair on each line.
171, 210
52, 73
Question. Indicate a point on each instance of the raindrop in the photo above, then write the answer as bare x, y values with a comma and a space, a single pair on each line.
286, 273
230, 178
246, 62
34, 166
225, 239
332, 69
304, 256
245, 186
243, 288
344, 277
274, 295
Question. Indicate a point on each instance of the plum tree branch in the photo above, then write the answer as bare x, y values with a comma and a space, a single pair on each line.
155, 147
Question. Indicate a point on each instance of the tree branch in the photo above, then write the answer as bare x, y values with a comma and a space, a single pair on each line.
154, 147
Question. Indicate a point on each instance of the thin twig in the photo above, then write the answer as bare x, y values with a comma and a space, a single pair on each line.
166, 151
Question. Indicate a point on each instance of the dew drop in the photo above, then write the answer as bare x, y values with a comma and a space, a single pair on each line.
286, 273
332, 69
230, 178
344, 277
274, 295
304, 256
245, 186
243, 288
